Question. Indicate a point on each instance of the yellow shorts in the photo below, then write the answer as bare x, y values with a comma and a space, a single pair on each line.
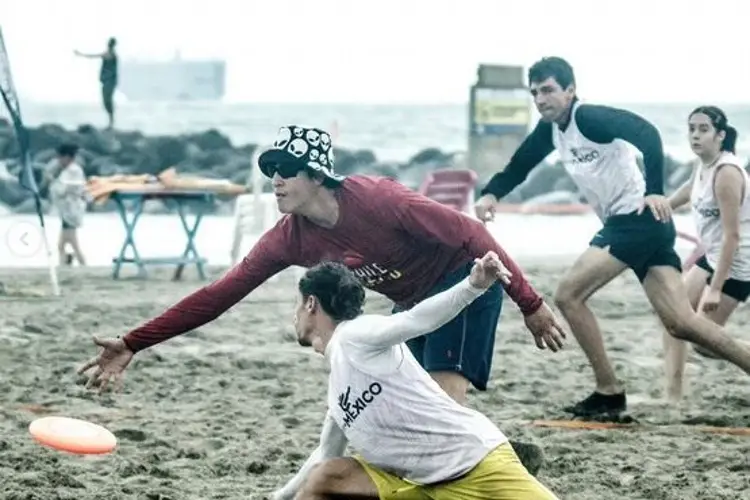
499, 476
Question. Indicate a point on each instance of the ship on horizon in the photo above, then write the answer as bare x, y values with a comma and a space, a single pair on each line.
176, 79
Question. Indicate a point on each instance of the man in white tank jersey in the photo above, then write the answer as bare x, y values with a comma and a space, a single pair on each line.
719, 196
411, 439
637, 232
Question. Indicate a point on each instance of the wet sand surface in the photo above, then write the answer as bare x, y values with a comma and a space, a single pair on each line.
232, 409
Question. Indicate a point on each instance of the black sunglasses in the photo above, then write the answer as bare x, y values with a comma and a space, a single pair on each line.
285, 170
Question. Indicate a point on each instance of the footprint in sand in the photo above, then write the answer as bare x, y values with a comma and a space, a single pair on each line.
157, 496
191, 454
131, 434
291, 422
256, 467
132, 469
32, 328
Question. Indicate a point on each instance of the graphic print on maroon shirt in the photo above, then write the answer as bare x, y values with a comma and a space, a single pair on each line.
371, 275
398, 242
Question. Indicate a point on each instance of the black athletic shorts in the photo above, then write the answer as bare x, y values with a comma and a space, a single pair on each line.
640, 241
465, 344
738, 290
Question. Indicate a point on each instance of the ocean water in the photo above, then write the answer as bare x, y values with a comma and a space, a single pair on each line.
393, 132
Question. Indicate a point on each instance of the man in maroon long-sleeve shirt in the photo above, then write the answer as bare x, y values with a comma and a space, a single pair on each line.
400, 243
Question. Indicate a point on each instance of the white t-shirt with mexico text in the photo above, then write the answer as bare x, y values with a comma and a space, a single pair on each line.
390, 409
387, 407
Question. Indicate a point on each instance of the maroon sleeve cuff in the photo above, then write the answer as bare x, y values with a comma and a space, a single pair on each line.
131, 344
530, 303
519, 290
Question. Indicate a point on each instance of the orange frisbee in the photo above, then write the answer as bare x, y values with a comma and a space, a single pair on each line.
73, 435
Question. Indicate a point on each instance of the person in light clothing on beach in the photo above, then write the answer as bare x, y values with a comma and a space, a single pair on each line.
402, 245
411, 440
637, 231
719, 195
68, 195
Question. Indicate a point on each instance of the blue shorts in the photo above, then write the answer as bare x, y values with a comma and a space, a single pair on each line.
465, 344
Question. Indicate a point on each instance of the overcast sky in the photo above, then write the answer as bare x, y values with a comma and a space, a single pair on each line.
390, 50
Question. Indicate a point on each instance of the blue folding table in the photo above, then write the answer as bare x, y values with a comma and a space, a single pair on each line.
177, 198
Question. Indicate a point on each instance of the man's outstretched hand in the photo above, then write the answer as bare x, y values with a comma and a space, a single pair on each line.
546, 328
110, 364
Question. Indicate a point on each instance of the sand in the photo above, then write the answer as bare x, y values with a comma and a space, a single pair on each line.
231, 410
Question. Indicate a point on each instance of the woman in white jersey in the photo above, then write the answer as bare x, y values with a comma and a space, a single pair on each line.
411, 439
718, 193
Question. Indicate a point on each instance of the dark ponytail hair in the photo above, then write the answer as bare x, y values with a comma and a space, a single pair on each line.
730, 140
721, 123
338, 290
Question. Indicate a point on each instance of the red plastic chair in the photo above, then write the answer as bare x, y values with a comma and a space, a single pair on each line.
454, 188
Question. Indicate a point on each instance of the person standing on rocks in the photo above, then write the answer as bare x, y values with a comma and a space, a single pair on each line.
107, 77
637, 232
68, 195
398, 242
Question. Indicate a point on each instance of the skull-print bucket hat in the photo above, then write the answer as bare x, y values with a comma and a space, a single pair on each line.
303, 147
